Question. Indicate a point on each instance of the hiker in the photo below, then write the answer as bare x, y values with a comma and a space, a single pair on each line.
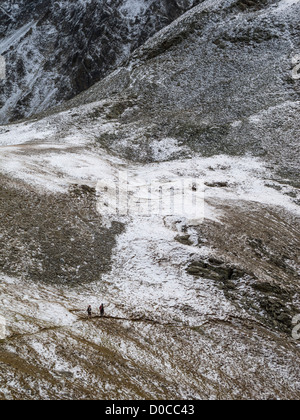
89, 311
101, 309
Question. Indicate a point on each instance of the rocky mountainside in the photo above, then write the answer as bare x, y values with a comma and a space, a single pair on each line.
54, 50
218, 80
196, 307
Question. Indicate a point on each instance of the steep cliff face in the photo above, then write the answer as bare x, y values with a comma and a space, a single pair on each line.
54, 50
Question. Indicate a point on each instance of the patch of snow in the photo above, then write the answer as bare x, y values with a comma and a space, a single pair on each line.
55, 313
149, 274
131, 9
53, 154
285, 4
284, 7
166, 149
22, 133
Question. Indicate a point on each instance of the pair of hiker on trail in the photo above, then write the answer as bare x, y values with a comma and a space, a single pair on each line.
101, 310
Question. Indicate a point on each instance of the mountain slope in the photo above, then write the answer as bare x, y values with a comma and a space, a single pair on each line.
218, 80
195, 307
54, 50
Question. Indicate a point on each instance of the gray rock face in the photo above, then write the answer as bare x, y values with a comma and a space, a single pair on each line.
54, 50
218, 80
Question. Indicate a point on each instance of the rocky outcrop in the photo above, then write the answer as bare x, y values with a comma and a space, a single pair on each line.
260, 274
270, 304
54, 238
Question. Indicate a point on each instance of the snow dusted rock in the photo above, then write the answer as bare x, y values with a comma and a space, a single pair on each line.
217, 80
54, 50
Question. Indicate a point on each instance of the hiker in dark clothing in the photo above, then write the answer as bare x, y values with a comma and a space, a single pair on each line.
89, 311
101, 310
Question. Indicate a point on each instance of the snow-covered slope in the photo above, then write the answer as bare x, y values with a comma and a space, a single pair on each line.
194, 311
194, 308
218, 80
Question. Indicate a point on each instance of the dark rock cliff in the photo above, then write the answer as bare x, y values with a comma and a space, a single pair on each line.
54, 50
